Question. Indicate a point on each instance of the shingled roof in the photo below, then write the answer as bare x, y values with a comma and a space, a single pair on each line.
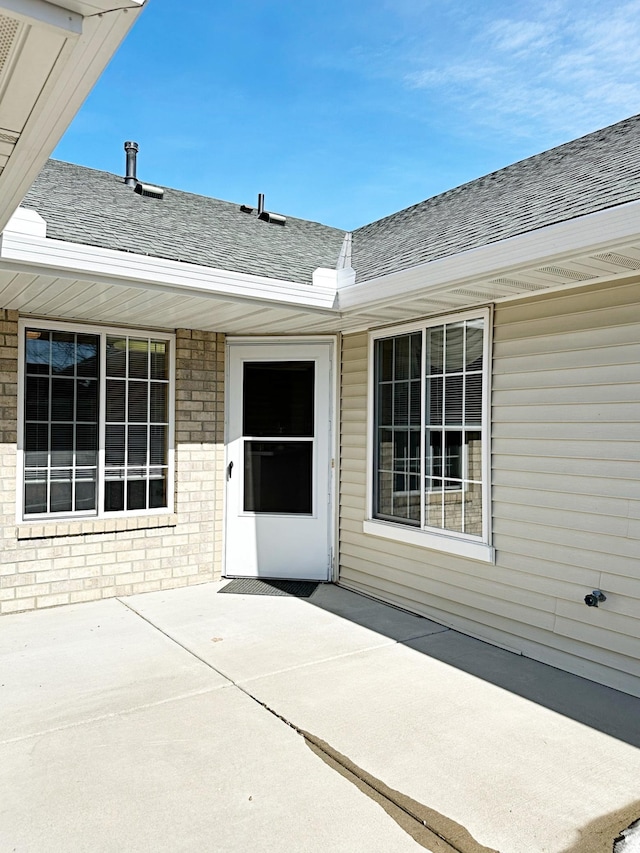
83, 205
592, 173
588, 174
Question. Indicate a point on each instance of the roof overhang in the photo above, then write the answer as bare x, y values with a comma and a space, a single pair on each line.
45, 277
600, 245
50, 57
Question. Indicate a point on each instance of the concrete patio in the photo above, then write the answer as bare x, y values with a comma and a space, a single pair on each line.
193, 721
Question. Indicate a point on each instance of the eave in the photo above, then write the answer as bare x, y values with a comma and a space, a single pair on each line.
563, 255
44, 277
55, 54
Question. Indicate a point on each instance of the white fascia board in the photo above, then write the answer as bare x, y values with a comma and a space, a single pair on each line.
99, 7
80, 63
591, 233
43, 14
92, 263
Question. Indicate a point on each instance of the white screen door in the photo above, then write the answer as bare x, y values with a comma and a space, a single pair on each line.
278, 463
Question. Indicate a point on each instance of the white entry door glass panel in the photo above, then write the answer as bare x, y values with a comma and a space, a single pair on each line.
279, 473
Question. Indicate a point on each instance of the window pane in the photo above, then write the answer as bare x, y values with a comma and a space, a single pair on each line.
277, 477
385, 359
158, 402
61, 444
137, 445
158, 491
87, 353
453, 400
87, 400
453, 455
401, 404
62, 399
473, 509
38, 351
434, 400
61, 490
385, 407
85, 491
401, 451
158, 445
278, 398
37, 398
474, 455
414, 451
36, 445
453, 510
416, 355
433, 462
86, 444
454, 337
35, 493
473, 399
63, 353
114, 444
435, 354
433, 507
384, 502
116, 395
159, 364
415, 413
136, 494
401, 358
114, 495
116, 356
475, 344
138, 358
138, 401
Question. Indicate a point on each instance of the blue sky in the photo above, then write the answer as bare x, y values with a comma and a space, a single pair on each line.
343, 111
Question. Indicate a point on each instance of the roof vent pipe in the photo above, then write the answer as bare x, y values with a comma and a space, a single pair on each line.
132, 153
260, 204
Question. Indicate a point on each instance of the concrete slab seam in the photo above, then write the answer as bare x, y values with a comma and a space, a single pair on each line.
391, 642
113, 714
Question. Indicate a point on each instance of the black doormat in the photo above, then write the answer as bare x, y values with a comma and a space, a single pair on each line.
253, 586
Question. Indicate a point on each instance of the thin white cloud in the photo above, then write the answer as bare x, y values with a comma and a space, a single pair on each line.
561, 68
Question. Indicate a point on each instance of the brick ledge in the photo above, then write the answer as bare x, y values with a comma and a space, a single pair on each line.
91, 527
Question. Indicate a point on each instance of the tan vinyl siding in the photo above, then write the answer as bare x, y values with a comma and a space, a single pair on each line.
565, 491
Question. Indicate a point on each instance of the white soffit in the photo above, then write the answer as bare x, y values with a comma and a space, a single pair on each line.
50, 58
119, 303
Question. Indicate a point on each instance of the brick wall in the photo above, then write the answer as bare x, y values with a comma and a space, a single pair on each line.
45, 564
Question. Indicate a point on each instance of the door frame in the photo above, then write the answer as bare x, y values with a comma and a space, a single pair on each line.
334, 437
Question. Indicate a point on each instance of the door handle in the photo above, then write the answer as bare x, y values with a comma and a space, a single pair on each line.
229, 470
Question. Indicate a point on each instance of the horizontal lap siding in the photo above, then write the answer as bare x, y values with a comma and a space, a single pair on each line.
565, 491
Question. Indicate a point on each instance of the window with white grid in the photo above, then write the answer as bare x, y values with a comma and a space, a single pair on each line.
429, 427
96, 421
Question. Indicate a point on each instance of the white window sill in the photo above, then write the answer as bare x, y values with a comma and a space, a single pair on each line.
437, 542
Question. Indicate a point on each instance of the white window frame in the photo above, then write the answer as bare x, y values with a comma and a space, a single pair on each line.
460, 544
102, 331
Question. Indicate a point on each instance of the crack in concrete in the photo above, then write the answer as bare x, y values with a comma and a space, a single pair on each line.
430, 829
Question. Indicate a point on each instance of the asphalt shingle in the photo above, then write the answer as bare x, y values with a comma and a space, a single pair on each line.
592, 173
84, 205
